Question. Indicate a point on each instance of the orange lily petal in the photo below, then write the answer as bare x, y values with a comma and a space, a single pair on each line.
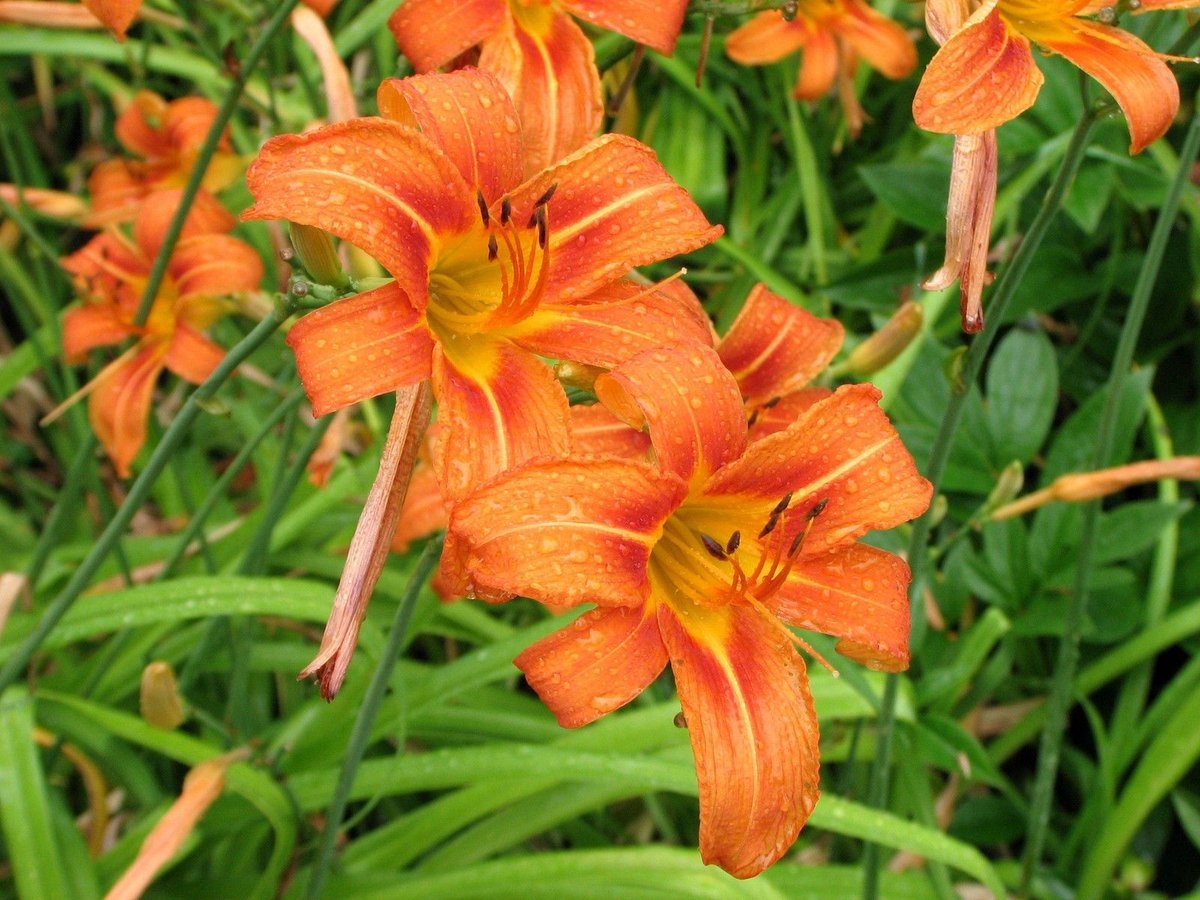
433, 32
858, 593
469, 115
877, 39
775, 347
215, 264
612, 325
187, 121
616, 208
597, 432
117, 15
688, 400
424, 509
140, 126
89, 326
984, 76
754, 734
1142, 83
767, 38
383, 187
323, 7
360, 347
115, 191
843, 450
206, 215
499, 406
818, 66
191, 355
781, 414
655, 23
549, 69
595, 665
120, 404
569, 531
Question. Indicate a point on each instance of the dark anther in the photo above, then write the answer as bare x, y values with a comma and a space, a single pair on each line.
735, 541
541, 226
797, 541
483, 210
818, 509
769, 527
680, 720
505, 211
493, 249
545, 198
772, 403
781, 505
714, 549
753, 418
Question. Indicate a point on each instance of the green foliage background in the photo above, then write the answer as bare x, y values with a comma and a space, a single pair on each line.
467, 787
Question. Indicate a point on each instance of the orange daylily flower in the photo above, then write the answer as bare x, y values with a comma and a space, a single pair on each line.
540, 55
166, 136
700, 561
985, 74
490, 273
832, 34
110, 272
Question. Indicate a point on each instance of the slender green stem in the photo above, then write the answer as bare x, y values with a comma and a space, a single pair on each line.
367, 711
939, 455
209, 503
1062, 688
71, 489
138, 493
255, 557
204, 156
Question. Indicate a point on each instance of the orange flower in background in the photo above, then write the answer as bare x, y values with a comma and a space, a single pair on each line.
832, 34
166, 136
700, 561
490, 273
543, 59
985, 74
110, 273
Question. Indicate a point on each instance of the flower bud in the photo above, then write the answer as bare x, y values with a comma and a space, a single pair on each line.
577, 375
160, 702
316, 253
1008, 485
888, 342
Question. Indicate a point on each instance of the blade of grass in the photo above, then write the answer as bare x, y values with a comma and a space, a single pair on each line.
32, 849
1062, 686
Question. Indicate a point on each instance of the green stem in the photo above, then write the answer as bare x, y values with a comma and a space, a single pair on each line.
367, 711
1062, 689
209, 503
139, 492
205, 154
939, 455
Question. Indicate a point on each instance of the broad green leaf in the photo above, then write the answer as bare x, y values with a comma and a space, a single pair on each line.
33, 851
1022, 394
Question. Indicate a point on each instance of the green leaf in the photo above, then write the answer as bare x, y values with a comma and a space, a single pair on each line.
915, 191
33, 850
1022, 393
